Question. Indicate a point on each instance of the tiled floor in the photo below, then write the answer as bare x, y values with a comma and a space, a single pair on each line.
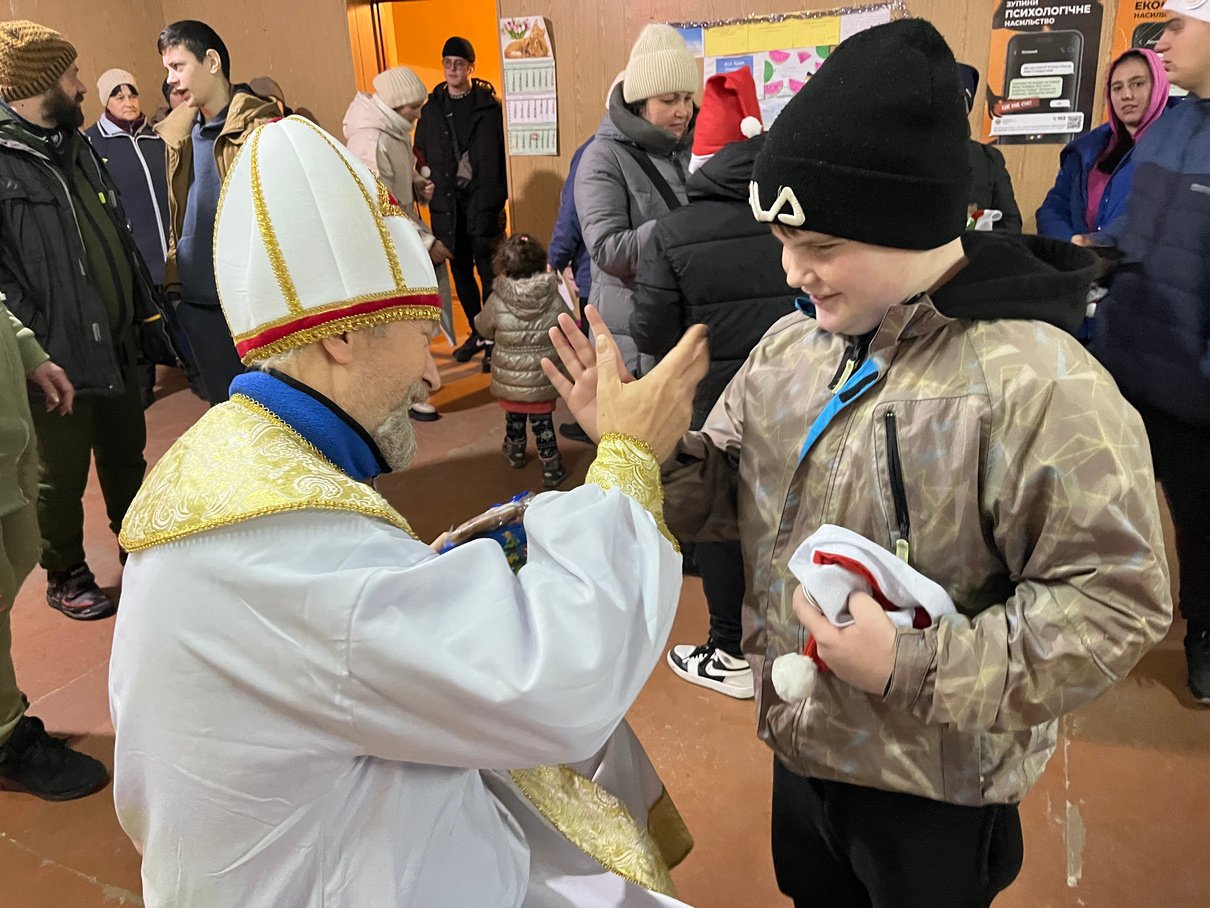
1121, 818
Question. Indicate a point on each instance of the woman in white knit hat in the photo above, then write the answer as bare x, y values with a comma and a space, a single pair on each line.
635, 170
378, 129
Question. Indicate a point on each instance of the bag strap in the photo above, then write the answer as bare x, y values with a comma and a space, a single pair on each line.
657, 179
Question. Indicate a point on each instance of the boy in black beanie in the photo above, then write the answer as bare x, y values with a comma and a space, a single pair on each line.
928, 397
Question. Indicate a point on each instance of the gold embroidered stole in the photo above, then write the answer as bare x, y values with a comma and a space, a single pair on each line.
240, 461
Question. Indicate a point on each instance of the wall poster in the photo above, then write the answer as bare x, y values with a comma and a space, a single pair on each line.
530, 100
783, 51
1042, 71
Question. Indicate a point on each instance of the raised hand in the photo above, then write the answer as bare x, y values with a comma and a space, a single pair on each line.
658, 407
579, 359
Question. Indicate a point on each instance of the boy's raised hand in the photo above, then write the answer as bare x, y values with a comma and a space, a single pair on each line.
579, 359
605, 397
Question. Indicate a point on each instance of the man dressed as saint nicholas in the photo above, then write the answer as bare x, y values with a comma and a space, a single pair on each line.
311, 706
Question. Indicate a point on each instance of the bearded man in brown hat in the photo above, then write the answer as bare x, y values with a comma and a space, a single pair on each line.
72, 274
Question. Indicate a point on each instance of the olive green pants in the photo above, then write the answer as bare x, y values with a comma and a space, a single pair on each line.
19, 544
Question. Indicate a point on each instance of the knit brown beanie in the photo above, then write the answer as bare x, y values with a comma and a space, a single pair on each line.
32, 58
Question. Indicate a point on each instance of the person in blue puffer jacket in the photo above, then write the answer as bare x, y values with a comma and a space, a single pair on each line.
1095, 170
1153, 328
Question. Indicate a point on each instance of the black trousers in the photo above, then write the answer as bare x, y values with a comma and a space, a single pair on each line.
471, 254
846, 846
721, 567
213, 348
1179, 452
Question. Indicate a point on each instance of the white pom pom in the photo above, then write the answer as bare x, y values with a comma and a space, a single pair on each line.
750, 127
793, 677
426, 172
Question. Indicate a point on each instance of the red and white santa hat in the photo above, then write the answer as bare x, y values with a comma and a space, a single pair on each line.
730, 113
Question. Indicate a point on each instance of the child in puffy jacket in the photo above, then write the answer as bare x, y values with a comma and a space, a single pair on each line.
523, 307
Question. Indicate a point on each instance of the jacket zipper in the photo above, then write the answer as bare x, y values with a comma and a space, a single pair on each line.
903, 529
71, 206
155, 202
846, 368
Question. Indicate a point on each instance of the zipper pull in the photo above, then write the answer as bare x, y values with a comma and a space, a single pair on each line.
96, 332
902, 550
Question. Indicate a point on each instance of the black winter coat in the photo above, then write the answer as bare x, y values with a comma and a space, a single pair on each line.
992, 187
42, 265
487, 193
712, 262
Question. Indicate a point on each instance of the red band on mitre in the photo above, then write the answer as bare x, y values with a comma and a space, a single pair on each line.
318, 319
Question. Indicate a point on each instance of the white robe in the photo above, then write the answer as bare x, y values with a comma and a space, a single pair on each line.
307, 705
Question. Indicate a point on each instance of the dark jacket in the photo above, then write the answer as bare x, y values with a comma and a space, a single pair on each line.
43, 262
992, 187
137, 164
484, 199
1153, 329
711, 262
567, 242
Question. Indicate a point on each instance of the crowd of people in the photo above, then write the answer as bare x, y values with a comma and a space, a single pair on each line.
775, 336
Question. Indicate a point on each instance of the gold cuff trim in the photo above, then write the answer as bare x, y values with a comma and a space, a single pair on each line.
597, 823
629, 464
669, 831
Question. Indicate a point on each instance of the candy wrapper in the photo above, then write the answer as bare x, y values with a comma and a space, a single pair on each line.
502, 522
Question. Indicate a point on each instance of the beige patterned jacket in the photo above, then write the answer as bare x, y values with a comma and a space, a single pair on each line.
1025, 489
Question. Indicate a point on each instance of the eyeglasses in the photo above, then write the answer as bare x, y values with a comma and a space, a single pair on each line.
455, 64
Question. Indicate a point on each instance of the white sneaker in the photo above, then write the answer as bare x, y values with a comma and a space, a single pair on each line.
710, 667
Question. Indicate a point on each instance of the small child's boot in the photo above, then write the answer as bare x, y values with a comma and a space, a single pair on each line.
515, 452
553, 472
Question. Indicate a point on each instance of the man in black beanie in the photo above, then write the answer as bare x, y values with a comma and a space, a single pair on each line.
460, 138
926, 400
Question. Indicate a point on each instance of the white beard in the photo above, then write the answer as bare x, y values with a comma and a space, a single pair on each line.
395, 435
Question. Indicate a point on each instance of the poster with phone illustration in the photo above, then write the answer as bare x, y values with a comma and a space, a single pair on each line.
1140, 23
1041, 83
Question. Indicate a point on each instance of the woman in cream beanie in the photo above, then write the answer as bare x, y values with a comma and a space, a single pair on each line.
635, 170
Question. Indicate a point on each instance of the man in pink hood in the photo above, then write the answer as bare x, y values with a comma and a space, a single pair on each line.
1095, 170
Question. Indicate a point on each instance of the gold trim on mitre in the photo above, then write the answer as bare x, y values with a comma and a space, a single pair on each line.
384, 234
597, 823
239, 462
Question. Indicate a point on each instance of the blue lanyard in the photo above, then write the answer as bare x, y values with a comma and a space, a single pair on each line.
858, 384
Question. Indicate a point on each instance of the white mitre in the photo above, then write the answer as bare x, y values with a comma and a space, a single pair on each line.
308, 243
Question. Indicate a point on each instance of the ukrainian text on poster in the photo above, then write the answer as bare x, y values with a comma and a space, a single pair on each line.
1041, 83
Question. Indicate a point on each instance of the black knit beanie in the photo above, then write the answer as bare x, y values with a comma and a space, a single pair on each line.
459, 47
874, 146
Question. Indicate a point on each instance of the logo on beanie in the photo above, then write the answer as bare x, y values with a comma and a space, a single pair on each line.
785, 196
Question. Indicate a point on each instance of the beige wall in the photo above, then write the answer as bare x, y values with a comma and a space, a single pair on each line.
592, 40
305, 49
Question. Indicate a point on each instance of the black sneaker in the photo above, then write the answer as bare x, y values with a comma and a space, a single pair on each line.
1197, 654
573, 431
472, 345
44, 766
75, 593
